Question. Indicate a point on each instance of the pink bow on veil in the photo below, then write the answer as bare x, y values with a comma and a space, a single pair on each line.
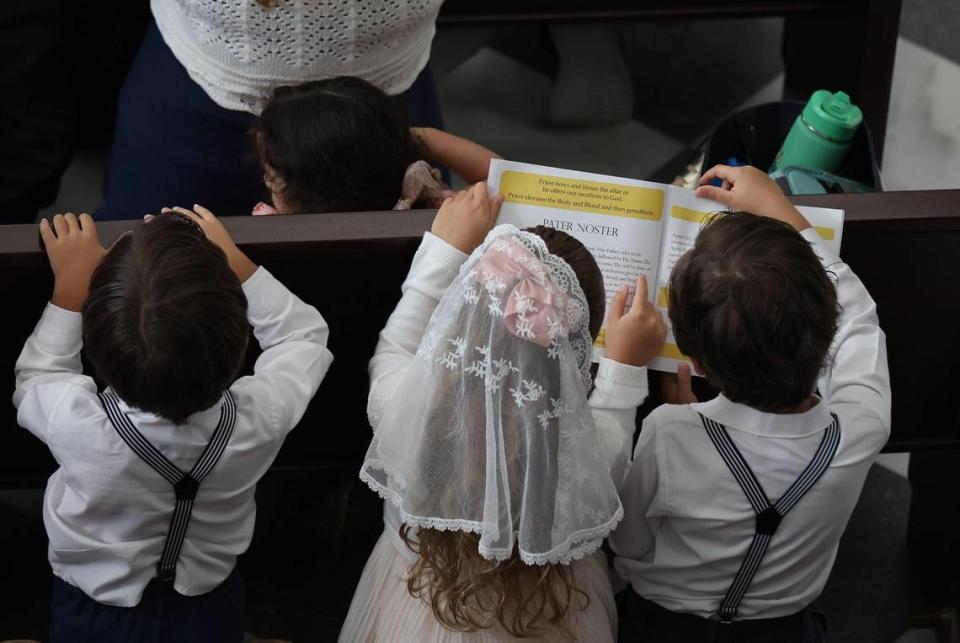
534, 310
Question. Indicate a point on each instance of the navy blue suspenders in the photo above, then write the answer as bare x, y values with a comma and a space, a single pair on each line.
185, 485
769, 515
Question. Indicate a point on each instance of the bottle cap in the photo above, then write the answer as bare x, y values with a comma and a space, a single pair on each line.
832, 116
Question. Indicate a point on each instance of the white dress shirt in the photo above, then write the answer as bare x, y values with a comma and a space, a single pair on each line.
619, 388
106, 511
687, 522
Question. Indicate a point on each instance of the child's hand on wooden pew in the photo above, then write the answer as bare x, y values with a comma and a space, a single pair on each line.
634, 336
464, 220
748, 189
74, 251
240, 263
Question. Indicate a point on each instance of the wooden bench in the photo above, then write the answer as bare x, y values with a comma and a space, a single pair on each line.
904, 245
317, 522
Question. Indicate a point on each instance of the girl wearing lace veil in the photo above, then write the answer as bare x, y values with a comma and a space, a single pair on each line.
497, 470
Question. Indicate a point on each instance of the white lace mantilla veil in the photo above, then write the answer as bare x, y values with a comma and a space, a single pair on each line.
489, 430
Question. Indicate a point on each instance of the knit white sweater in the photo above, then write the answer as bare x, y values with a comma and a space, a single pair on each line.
238, 51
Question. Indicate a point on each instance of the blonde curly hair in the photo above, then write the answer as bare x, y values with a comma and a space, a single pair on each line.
467, 592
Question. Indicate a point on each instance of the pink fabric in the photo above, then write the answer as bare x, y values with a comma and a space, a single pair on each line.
263, 209
532, 306
422, 184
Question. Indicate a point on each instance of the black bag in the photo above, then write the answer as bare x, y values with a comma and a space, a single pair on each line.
754, 135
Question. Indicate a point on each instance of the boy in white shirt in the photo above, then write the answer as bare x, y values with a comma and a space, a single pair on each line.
154, 496
734, 507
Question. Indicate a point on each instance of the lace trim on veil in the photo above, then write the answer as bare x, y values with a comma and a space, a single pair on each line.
578, 545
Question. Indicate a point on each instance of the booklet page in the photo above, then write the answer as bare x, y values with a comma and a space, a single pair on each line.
617, 219
632, 227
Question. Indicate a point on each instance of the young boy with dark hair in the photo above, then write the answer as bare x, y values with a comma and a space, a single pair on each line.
733, 508
153, 499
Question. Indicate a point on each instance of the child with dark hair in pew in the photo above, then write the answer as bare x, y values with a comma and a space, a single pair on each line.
343, 145
734, 508
153, 499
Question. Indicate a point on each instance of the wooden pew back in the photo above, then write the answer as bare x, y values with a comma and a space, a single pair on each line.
905, 247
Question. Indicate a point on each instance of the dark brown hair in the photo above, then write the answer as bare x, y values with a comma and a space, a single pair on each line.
584, 265
338, 145
754, 306
165, 324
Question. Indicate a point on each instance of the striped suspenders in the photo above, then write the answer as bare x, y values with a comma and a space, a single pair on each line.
768, 514
185, 485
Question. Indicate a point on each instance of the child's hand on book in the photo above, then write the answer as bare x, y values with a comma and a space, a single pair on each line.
747, 189
74, 251
634, 336
464, 220
217, 233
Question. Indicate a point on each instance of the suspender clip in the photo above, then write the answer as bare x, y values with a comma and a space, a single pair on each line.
768, 520
186, 488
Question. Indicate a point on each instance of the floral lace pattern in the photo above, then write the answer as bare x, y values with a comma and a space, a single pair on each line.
489, 430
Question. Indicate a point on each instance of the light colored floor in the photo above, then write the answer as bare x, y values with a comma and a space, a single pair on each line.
923, 130
503, 104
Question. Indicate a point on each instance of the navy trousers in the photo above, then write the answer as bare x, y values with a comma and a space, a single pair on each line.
643, 621
163, 615
174, 146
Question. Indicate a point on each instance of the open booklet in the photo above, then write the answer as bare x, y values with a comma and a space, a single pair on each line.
632, 227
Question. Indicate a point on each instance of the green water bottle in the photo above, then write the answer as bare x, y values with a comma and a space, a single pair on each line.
822, 133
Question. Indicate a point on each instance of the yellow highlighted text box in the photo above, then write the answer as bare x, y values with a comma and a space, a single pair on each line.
601, 341
663, 298
827, 234
579, 195
671, 351
686, 214
696, 216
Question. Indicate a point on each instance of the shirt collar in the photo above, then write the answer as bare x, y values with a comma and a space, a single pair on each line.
146, 416
745, 418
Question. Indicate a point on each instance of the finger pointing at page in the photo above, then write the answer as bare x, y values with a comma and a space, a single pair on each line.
617, 305
642, 294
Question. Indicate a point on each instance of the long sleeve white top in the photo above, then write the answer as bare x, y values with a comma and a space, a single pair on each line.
238, 51
687, 523
619, 388
106, 511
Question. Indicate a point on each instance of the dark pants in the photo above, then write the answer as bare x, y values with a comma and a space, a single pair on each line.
643, 621
163, 615
174, 146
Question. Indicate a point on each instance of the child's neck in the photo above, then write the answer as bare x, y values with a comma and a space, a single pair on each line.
803, 407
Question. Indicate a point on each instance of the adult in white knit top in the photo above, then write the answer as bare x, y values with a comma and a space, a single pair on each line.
238, 51
206, 67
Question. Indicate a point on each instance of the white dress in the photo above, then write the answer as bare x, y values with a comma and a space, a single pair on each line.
238, 51
382, 608
383, 611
